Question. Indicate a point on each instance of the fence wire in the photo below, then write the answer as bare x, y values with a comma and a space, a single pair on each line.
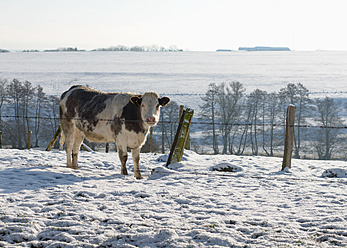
207, 123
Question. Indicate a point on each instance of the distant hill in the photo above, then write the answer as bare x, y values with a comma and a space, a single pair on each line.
4, 51
264, 48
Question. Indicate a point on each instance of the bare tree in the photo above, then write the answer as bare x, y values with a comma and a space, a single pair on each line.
27, 97
40, 100
328, 117
3, 85
15, 92
208, 110
224, 114
168, 124
297, 95
235, 93
271, 111
244, 133
256, 100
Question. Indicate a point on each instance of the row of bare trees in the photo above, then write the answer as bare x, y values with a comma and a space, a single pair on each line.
253, 122
231, 121
25, 108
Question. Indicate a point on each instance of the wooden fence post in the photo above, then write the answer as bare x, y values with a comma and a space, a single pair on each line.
181, 111
177, 148
289, 137
150, 140
29, 139
107, 147
0, 139
54, 139
187, 144
86, 148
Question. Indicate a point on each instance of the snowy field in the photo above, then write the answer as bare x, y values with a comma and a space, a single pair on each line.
44, 204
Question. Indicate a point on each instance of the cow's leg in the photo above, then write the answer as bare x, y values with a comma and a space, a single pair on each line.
76, 148
136, 159
68, 148
123, 156
69, 134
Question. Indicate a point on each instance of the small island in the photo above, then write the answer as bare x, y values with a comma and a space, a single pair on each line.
223, 50
263, 48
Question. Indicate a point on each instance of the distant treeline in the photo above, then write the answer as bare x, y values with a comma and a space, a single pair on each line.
152, 48
62, 49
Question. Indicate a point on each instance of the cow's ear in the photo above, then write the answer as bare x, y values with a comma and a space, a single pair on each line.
164, 101
136, 100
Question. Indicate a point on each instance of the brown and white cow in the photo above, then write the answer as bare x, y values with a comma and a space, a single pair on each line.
123, 118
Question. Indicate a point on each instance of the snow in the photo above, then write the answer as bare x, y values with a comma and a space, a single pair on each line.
189, 204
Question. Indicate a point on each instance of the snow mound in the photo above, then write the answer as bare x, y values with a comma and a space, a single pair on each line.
189, 155
226, 167
159, 172
163, 158
335, 172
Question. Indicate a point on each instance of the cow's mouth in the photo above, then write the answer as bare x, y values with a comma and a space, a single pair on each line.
151, 123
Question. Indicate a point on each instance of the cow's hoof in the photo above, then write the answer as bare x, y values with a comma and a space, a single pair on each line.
124, 172
138, 175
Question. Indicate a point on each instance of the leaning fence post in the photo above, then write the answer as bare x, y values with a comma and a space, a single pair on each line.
181, 111
177, 149
86, 148
187, 144
289, 137
54, 139
29, 139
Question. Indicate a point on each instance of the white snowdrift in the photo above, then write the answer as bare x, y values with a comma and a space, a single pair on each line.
189, 204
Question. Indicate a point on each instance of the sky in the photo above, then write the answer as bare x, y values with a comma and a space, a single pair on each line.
195, 25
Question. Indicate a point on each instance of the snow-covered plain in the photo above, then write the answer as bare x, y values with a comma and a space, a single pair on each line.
44, 204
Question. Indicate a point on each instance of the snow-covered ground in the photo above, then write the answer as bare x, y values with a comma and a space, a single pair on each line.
44, 204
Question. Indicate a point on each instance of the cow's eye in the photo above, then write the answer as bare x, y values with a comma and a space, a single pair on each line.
142, 105
158, 105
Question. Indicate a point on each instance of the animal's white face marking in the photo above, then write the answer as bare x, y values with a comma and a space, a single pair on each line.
150, 109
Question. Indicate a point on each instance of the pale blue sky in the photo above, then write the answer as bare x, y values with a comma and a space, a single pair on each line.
197, 25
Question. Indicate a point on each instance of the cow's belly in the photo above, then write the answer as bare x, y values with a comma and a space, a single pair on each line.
97, 138
101, 134
133, 140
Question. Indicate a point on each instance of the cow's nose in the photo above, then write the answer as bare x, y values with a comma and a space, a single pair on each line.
150, 119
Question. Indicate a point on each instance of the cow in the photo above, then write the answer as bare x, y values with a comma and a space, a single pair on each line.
122, 118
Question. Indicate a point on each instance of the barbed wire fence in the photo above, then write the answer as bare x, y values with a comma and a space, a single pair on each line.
169, 122
197, 126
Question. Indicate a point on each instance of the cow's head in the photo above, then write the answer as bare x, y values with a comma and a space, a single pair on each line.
150, 104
